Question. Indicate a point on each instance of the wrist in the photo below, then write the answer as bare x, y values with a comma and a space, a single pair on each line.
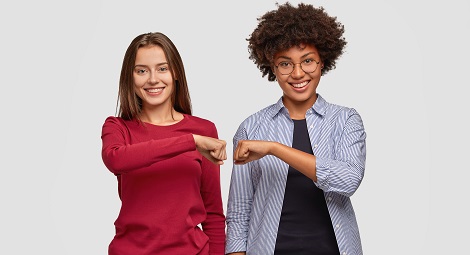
273, 148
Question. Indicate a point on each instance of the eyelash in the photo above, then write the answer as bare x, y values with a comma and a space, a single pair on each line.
162, 69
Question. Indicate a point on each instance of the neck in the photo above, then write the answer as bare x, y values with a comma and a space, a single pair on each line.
298, 109
160, 116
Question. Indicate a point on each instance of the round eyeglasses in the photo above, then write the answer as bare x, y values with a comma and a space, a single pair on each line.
308, 66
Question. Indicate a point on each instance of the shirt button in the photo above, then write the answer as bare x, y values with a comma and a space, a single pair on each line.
344, 253
315, 146
329, 198
337, 225
311, 126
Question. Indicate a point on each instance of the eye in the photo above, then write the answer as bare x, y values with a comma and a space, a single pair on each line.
285, 64
162, 69
309, 61
140, 71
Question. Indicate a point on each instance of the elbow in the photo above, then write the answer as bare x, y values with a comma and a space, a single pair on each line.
112, 162
352, 188
353, 182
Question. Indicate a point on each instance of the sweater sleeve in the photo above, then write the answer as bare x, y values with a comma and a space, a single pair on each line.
121, 157
214, 225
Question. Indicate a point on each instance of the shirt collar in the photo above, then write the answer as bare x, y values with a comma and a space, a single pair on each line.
318, 107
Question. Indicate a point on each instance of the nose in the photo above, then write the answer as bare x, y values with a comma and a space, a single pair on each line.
298, 71
153, 79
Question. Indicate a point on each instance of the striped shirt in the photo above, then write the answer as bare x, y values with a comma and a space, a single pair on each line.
257, 188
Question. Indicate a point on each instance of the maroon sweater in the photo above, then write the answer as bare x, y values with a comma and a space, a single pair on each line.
167, 188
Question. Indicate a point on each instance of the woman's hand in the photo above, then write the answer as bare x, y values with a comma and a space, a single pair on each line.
211, 148
249, 150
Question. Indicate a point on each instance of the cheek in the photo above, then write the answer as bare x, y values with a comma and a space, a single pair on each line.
138, 92
282, 79
171, 89
138, 81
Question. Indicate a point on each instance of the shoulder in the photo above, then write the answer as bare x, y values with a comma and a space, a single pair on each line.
195, 120
120, 123
341, 114
339, 109
331, 109
113, 120
251, 126
260, 116
201, 125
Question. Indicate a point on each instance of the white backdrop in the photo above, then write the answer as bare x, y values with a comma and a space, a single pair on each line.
405, 70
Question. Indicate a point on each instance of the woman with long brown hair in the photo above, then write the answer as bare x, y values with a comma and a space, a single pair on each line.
166, 160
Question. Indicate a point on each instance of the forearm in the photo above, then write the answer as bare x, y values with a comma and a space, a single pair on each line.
121, 158
239, 208
215, 229
301, 161
214, 224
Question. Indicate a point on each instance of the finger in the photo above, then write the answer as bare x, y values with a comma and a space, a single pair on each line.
215, 154
218, 153
216, 161
239, 162
224, 153
243, 152
235, 152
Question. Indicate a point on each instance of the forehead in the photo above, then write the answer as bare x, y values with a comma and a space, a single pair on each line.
297, 51
150, 55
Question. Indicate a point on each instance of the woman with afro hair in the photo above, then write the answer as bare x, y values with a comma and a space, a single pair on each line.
296, 162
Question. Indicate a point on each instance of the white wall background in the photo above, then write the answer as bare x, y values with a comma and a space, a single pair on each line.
405, 71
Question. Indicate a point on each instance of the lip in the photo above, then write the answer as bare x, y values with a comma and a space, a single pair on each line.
300, 86
154, 91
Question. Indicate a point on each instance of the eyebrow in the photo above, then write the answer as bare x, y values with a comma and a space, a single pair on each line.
303, 56
159, 64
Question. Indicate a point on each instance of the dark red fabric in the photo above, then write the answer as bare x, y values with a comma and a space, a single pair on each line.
166, 187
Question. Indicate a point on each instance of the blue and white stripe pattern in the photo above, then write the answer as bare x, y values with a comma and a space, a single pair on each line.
257, 189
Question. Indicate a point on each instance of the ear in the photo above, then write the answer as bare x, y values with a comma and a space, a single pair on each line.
273, 69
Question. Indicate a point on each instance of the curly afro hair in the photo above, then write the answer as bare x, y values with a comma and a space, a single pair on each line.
290, 26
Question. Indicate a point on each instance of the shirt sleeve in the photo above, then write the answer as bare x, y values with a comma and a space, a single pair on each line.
214, 225
343, 172
240, 200
121, 157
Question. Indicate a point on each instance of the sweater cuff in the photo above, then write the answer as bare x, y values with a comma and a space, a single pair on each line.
187, 141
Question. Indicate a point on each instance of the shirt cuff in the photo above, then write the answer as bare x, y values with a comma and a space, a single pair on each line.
323, 172
235, 246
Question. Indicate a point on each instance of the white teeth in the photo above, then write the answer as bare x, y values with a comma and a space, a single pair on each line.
154, 90
300, 85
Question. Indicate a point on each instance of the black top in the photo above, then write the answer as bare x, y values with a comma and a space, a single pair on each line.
305, 225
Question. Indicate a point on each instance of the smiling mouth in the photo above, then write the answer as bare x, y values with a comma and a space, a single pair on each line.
154, 90
300, 85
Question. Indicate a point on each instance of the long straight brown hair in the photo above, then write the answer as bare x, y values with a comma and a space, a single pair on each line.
130, 105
